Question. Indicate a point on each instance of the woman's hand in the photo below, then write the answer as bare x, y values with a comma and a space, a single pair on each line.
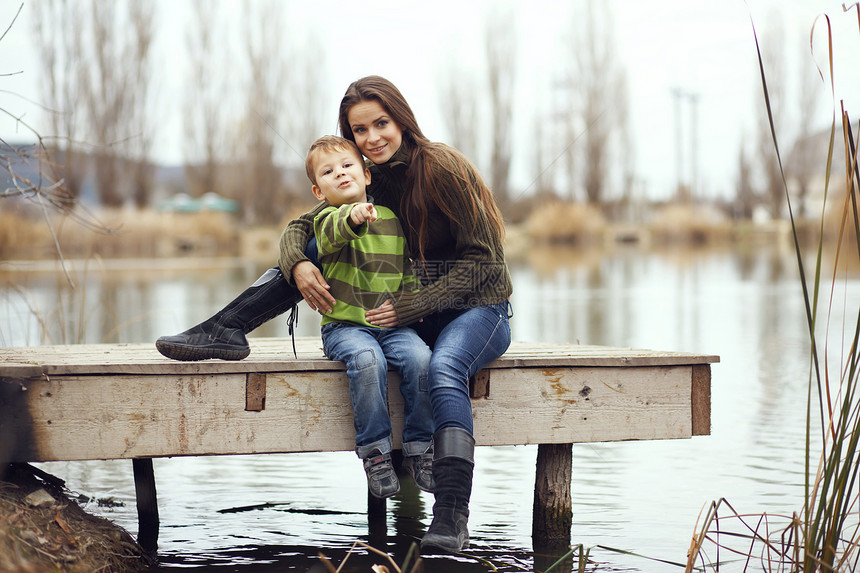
383, 315
312, 285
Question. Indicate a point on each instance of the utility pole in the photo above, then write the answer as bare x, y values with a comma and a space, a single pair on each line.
677, 94
694, 144
684, 191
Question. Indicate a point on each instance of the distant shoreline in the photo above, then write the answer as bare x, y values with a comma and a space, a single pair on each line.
122, 264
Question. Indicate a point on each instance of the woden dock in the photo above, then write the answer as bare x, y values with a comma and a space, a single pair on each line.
126, 401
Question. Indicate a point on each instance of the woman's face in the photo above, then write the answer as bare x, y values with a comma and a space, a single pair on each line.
375, 132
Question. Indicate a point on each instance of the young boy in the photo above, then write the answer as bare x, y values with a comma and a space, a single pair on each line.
364, 258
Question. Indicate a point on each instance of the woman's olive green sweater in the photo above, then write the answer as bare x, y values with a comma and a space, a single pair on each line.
463, 267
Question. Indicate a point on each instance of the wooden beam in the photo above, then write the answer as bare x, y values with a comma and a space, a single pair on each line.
700, 399
573, 405
255, 392
479, 384
107, 401
116, 417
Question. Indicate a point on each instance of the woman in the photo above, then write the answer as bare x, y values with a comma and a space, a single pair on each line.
455, 232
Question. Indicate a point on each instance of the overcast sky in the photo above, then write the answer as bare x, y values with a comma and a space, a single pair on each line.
700, 46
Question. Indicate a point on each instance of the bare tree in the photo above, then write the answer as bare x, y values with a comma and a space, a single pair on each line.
139, 116
105, 95
540, 150
204, 96
597, 77
626, 147
803, 166
773, 59
32, 171
114, 81
96, 75
745, 198
57, 26
459, 105
551, 140
566, 120
306, 101
265, 53
501, 81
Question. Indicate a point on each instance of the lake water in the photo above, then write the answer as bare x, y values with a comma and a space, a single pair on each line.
278, 512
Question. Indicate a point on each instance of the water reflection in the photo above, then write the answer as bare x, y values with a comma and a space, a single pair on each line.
641, 497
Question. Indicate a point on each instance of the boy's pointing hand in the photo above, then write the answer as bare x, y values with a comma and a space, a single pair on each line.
361, 213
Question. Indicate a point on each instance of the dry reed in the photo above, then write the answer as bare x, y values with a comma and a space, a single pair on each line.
690, 224
824, 535
121, 233
564, 222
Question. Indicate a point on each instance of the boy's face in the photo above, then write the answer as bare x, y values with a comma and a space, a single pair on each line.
341, 177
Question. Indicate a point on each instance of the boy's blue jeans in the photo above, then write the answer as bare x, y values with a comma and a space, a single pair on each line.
463, 342
367, 353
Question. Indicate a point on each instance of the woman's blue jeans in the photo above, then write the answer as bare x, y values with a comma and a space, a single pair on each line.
367, 353
463, 342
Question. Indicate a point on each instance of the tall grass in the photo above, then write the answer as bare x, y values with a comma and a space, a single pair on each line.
824, 535
124, 234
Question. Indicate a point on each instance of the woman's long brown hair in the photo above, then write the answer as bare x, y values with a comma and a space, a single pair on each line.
427, 160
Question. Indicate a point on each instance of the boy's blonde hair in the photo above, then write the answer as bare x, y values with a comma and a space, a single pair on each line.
327, 144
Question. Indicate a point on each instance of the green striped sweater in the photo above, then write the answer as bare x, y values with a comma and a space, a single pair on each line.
363, 266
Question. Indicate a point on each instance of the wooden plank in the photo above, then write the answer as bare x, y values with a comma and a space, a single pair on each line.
114, 417
563, 405
701, 400
108, 417
275, 355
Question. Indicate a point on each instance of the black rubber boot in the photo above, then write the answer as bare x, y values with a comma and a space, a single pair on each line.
453, 465
223, 335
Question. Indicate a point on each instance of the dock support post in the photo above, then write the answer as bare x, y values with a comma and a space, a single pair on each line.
147, 503
375, 507
377, 526
552, 513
